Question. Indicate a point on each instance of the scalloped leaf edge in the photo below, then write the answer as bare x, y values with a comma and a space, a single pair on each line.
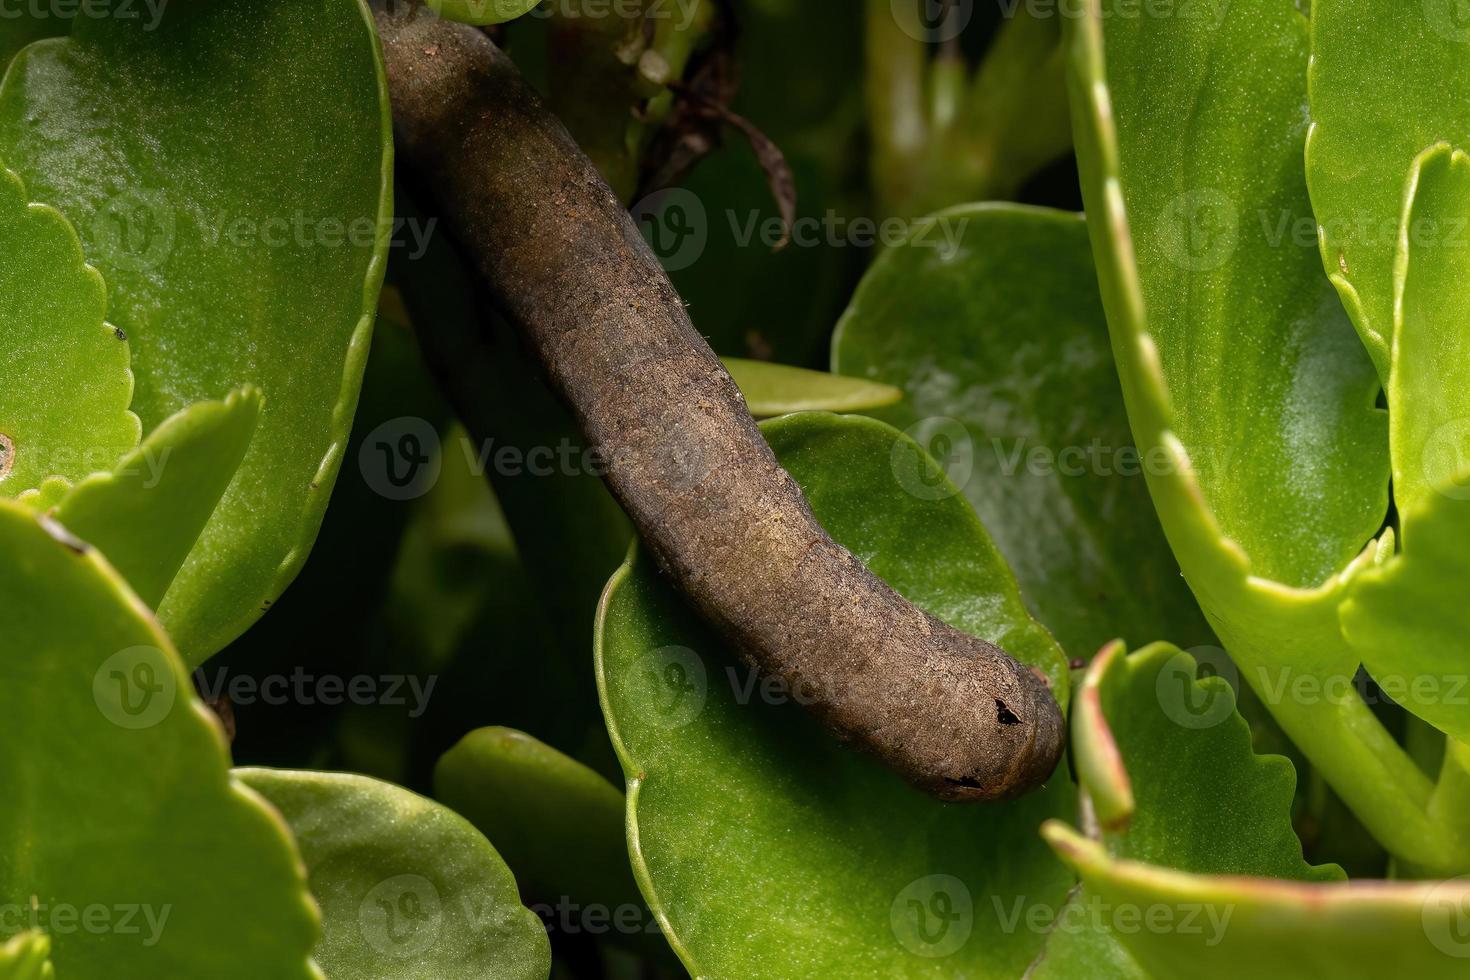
79, 266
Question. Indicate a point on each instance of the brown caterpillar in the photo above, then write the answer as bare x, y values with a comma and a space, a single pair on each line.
562, 259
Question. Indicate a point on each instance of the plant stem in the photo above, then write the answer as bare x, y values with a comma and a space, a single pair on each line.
896, 108
942, 137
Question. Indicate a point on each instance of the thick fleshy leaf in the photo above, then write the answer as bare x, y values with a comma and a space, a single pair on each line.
228, 168
407, 887
1429, 380
147, 514
27, 956
1082, 947
779, 389
1387, 80
988, 318
1406, 617
130, 815
1167, 726
1145, 730
64, 403
767, 849
560, 827
1272, 393
558, 824
330, 621
1221, 926
1212, 357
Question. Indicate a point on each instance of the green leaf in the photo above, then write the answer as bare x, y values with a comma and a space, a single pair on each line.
1168, 764
407, 887
130, 811
1285, 929
240, 211
1081, 946
482, 12
988, 318
1272, 393
556, 822
1387, 79
1429, 381
732, 786
1212, 114
1167, 727
146, 515
778, 389
64, 403
27, 957
1406, 616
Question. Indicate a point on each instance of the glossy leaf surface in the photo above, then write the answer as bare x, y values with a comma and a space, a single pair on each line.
558, 824
1167, 289
1293, 930
147, 514
1406, 616
407, 887
779, 389
64, 402
1158, 726
1272, 394
988, 319
1387, 80
767, 849
131, 811
1168, 718
228, 169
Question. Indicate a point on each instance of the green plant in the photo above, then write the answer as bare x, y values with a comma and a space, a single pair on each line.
1245, 365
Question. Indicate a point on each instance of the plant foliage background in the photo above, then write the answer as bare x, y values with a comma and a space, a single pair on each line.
302, 679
